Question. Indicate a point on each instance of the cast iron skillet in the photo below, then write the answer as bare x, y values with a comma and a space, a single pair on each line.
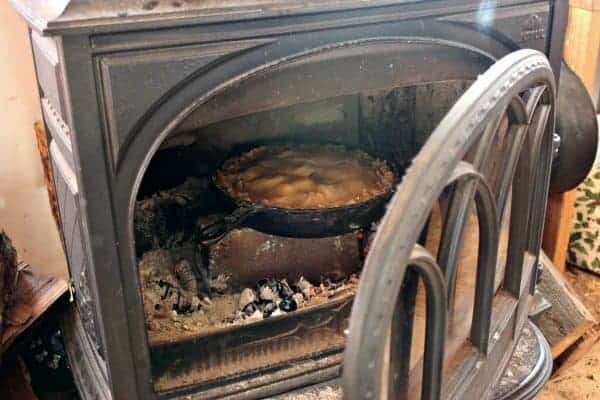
297, 223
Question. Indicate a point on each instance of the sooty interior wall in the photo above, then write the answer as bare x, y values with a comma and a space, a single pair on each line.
393, 123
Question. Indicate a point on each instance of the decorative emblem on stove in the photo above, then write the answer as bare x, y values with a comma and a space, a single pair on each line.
533, 29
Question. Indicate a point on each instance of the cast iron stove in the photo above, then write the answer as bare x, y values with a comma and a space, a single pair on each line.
139, 96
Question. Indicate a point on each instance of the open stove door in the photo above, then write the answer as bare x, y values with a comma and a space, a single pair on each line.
494, 150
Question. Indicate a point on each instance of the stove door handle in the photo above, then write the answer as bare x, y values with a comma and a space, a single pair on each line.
215, 231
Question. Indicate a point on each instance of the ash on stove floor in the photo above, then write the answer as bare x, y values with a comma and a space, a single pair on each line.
528, 370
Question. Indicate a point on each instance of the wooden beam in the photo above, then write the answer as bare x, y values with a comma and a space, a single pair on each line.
559, 221
576, 352
582, 42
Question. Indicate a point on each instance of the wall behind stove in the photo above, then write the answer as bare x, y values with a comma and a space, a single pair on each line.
24, 208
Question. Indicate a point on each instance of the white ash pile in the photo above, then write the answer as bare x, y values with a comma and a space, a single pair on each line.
274, 297
177, 305
171, 288
319, 393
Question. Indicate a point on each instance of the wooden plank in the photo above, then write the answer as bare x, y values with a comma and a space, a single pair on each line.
34, 295
582, 42
576, 352
568, 319
559, 221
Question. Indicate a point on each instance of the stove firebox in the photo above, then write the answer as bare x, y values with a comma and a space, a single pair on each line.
237, 330
144, 100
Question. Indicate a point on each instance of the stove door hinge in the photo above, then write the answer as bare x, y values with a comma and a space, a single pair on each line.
555, 145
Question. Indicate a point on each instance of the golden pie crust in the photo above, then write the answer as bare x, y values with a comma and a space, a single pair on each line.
305, 176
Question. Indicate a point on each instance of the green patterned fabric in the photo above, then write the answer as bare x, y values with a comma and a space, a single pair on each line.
584, 243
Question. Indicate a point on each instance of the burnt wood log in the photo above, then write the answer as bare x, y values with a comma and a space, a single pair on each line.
167, 219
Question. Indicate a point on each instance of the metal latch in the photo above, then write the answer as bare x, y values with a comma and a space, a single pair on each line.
71, 291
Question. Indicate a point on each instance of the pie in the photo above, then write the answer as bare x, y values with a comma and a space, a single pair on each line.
305, 176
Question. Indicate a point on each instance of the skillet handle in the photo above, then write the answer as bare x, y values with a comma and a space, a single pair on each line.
215, 231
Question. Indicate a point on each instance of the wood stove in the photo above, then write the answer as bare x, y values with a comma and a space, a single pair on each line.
144, 100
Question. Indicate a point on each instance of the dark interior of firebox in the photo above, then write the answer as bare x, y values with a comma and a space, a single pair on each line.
193, 291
